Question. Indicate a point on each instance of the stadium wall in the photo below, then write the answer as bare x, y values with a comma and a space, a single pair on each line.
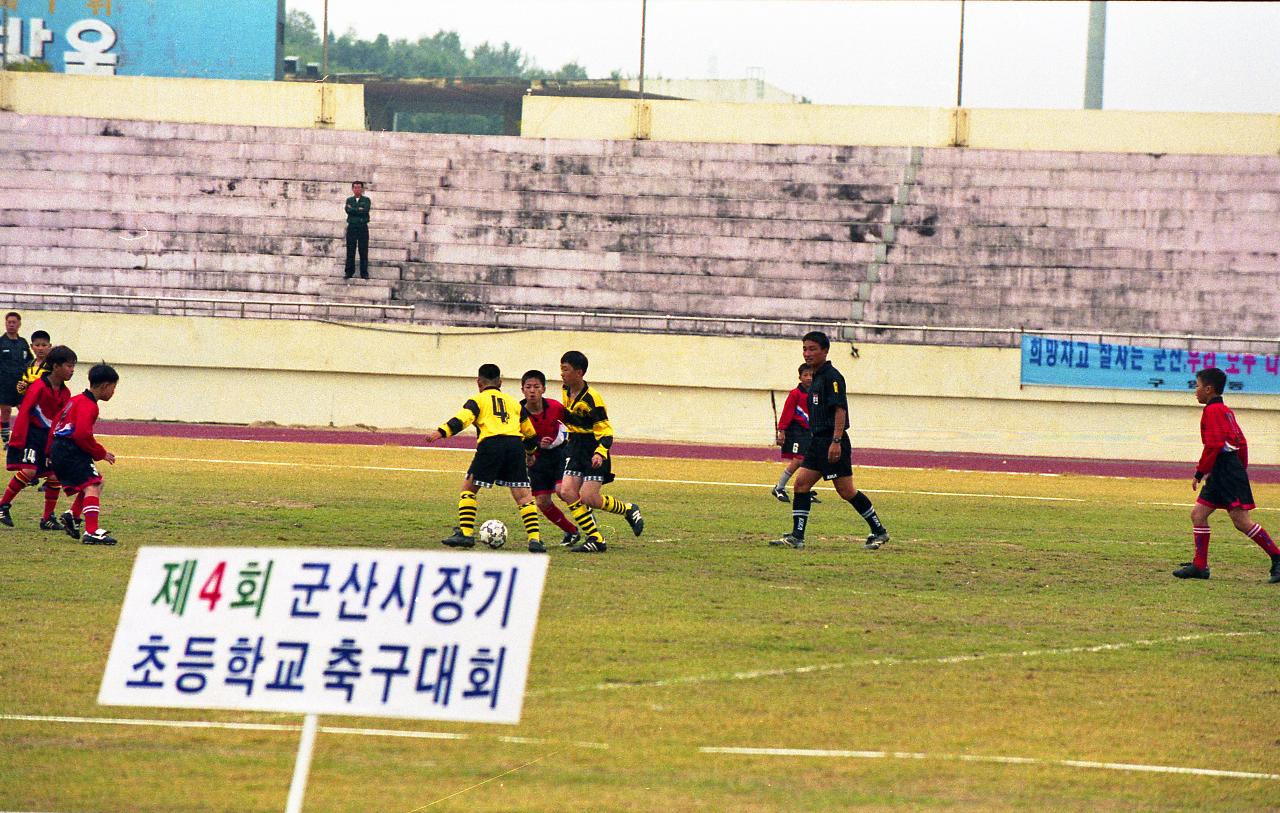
1066, 130
196, 101
674, 388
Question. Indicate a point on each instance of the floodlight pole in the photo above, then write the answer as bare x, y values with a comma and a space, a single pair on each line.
960, 62
644, 13
301, 767
324, 58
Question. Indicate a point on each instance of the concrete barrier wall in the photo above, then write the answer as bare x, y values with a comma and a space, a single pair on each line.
675, 388
1067, 130
198, 101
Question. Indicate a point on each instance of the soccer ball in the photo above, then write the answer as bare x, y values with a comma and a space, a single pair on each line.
493, 533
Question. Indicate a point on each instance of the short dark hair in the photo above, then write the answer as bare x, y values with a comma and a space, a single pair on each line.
357, 183
575, 359
13, 313
101, 374
819, 338
802, 368
1214, 378
538, 374
61, 355
40, 334
489, 372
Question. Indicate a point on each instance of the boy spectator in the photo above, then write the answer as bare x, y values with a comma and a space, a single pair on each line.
15, 355
1223, 468
74, 450
546, 467
40, 345
793, 432
29, 445
830, 455
506, 435
589, 465
357, 231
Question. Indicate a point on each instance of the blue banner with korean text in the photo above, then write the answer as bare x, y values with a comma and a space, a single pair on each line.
1067, 363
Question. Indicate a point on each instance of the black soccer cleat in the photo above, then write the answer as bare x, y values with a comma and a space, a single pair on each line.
459, 540
590, 546
875, 540
1275, 571
5, 519
1190, 571
780, 494
634, 519
51, 524
788, 540
571, 538
536, 546
813, 497
98, 537
69, 524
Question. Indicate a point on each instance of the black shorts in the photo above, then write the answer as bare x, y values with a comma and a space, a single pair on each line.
816, 458
9, 394
582, 447
1227, 485
795, 444
32, 456
499, 461
547, 470
75, 469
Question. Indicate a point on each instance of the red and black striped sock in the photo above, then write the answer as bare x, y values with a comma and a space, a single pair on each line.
558, 518
91, 509
52, 490
20, 481
1263, 540
1200, 534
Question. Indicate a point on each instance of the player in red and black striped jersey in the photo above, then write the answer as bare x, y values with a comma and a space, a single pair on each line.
546, 464
793, 431
28, 454
73, 451
1223, 468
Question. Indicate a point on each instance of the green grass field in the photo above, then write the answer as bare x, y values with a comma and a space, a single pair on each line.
1030, 633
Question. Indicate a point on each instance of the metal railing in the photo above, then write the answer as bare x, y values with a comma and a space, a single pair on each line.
856, 331
207, 306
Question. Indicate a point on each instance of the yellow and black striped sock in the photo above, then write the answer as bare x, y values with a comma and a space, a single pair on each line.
529, 516
585, 519
613, 506
467, 506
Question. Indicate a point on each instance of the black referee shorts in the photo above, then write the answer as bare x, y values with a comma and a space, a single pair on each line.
816, 458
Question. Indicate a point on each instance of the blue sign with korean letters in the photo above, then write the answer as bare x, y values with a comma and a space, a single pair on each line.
425, 635
227, 39
1067, 363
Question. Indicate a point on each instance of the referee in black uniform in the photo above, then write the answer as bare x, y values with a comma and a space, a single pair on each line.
829, 455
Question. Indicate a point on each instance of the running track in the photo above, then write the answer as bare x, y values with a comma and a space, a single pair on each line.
894, 458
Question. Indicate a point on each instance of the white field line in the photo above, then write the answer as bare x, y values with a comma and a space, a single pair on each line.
288, 464
1067, 763
285, 727
944, 659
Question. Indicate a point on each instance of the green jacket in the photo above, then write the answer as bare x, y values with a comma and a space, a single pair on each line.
358, 211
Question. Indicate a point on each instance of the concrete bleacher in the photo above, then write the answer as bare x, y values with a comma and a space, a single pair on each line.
466, 226
1085, 242
461, 225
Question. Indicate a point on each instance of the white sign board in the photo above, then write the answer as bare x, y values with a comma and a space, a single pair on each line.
436, 636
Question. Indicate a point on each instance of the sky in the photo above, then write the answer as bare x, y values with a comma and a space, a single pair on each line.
1210, 57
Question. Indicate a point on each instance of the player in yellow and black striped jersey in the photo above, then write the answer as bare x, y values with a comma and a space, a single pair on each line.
506, 437
589, 466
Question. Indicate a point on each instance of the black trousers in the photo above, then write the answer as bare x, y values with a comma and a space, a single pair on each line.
357, 237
